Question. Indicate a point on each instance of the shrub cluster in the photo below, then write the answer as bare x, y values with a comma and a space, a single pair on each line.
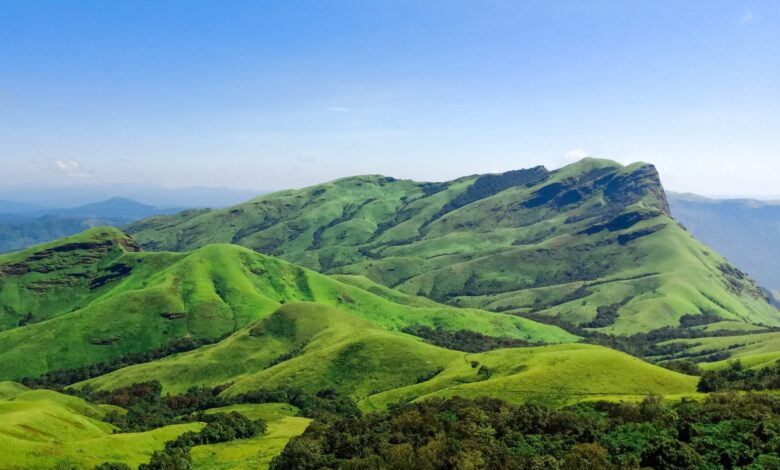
465, 340
147, 408
737, 377
220, 427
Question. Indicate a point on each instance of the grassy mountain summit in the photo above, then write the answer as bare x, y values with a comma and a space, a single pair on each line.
592, 244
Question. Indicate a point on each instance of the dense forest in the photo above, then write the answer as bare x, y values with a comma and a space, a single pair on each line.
721, 431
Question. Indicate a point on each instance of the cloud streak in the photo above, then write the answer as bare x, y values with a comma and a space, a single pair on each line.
72, 168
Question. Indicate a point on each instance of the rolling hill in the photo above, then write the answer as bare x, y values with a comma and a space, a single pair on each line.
317, 347
591, 244
46, 429
95, 297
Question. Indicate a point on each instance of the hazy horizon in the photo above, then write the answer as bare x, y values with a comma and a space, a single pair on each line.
85, 192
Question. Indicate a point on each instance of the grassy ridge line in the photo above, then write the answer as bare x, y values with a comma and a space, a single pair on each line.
207, 293
525, 241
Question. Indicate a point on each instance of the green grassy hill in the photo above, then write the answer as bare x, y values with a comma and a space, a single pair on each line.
45, 429
315, 347
553, 375
753, 350
593, 236
324, 346
95, 298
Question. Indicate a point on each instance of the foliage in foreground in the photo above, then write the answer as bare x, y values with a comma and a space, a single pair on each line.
722, 431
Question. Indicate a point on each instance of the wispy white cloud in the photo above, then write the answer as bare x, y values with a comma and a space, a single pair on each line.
576, 154
72, 168
746, 18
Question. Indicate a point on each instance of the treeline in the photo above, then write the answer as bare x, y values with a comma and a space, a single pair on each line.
721, 431
147, 408
465, 340
220, 427
58, 379
647, 344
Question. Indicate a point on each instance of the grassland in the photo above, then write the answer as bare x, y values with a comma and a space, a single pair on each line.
45, 429
553, 243
753, 350
147, 300
323, 347
553, 375
255, 453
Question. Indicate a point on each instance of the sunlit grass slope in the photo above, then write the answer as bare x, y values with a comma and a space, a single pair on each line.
550, 374
255, 453
45, 429
325, 347
315, 347
147, 300
752, 350
557, 243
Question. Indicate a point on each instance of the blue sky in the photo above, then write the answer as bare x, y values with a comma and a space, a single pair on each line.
270, 95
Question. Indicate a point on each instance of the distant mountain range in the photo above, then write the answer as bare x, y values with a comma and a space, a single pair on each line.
154, 195
745, 231
26, 225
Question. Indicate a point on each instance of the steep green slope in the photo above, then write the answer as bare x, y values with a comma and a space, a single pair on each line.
45, 429
315, 347
55, 278
551, 243
104, 301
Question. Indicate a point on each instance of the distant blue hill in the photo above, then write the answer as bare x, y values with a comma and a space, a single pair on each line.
746, 231
114, 207
31, 224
